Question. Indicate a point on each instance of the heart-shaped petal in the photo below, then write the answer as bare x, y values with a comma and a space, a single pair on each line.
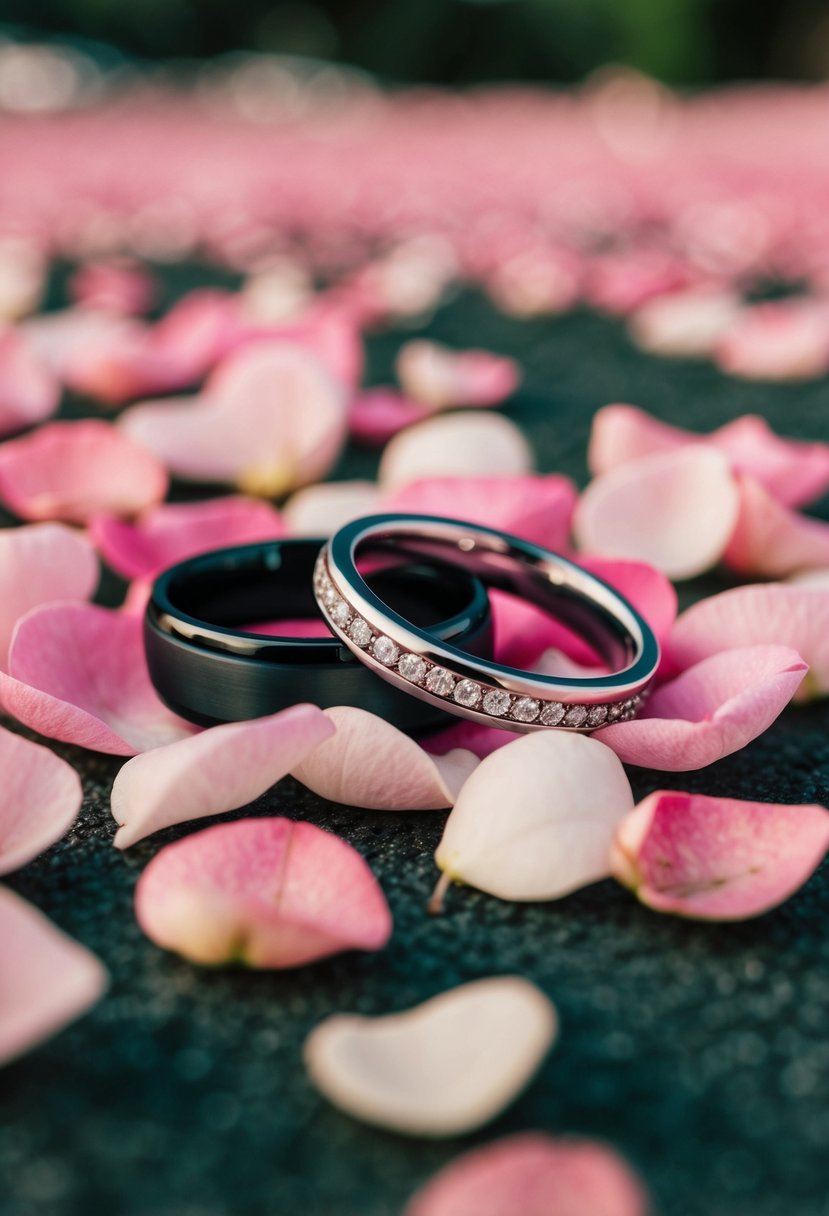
441, 378
535, 1175
174, 531
471, 444
321, 509
77, 673
40, 563
685, 324
717, 858
39, 799
218, 770
710, 710
675, 510
29, 392
370, 763
441, 1069
72, 470
264, 892
48, 980
536, 818
772, 541
378, 413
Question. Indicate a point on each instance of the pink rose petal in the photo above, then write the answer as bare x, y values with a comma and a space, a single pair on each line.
77, 673
119, 285
40, 796
40, 563
72, 470
29, 392
675, 510
778, 340
321, 509
709, 711
63, 338
717, 858
263, 892
46, 979
216, 771
533, 1174
174, 531
370, 763
440, 378
378, 413
471, 444
622, 433
685, 324
469, 736
772, 541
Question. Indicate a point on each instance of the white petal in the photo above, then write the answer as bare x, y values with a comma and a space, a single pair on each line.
468, 444
321, 509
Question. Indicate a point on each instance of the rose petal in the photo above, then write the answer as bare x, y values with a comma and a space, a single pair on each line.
469, 736
777, 340
709, 711
77, 673
378, 413
535, 820
535, 1175
472, 444
120, 285
218, 770
174, 531
818, 580
370, 763
39, 799
71, 470
771, 614
685, 323
59, 339
40, 563
717, 858
441, 378
623, 281
321, 509
772, 541
46, 979
441, 1069
675, 510
264, 892
29, 393
269, 419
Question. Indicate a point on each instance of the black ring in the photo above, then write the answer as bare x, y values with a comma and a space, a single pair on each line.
209, 669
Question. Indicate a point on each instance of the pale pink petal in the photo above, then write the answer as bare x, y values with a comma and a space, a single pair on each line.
622, 433
717, 858
270, 419
174, 531
24, 273
60, 338
72, 470
793, 472
40, 796
216, 771
40, 563
46, 979
119, 285
771, 614
321, 509
649, 591
535, 282
77, 673
685, 323
441, 378
471, 444
818, 580
778, 340
772, 541
674, 510
539, 509
441, 1069
263, 892
29, 392
710, 710
378, 413
623, 281
370, 763
330, 335
535, 1175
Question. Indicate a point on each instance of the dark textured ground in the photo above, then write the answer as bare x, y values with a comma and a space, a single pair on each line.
701, 1051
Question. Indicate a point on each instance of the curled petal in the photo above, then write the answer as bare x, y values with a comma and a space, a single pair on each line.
39, 799
320, 509
378, 413
441, 1069
539, 509
674, 510
440, 378
536, 1175
370, 763
759, 614
772, 541
174, 531
779, 340
263, 892
48, 980
72, 470
709, 711
40, 563
685, 323
473, 444
29, 392
536, 819
218, 770
717, 858
77, 673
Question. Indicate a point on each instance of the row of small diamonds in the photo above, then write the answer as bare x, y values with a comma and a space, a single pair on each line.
469, 693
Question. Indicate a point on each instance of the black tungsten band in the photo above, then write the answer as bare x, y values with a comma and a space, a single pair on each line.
210, 666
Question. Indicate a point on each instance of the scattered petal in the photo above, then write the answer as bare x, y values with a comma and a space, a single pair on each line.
379, 413
685, 324
441, 378
442, 1068
778, 340
772, 541
39, 799
717, 858
218, 770
321, 509
263, 892
29, 392
469, 736
472, 444
119, 285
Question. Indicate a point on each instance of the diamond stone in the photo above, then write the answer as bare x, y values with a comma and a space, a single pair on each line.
340, 613
576, 715
360, 631
552, 713
440, 681
525, 709
614, 712
386, 651
412, 667
596, 715
497, 703
467, 693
